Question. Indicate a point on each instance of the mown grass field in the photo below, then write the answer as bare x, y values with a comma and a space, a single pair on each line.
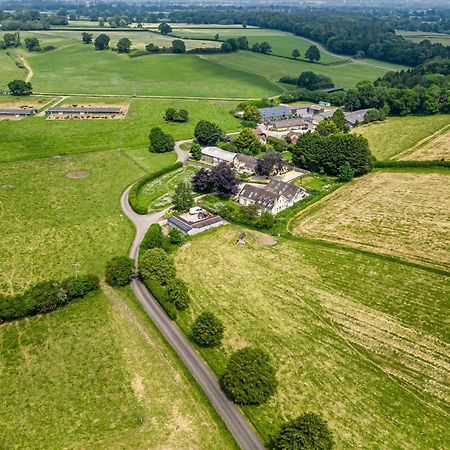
273, 68
358, 338
398, 136
79, 69
282, 43
94, 374
131, 133
434, 147
8, 70
97, 374
400, 214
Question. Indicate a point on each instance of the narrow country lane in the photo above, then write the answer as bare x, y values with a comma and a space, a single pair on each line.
230, 413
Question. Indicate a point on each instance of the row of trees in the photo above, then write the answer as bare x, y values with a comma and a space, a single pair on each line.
32, 44
310, 81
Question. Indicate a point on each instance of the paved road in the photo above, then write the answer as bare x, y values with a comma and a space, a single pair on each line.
231, 415
182, 155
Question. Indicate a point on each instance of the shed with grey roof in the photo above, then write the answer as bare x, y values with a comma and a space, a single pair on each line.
276, 112
17, 111
84, 110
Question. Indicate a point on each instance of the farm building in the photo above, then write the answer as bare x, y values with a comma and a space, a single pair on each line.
289, 125
215, 155
110, 110
273, 198
245, 163
275, 113
355, 118
17, 111
262, 137
189, 226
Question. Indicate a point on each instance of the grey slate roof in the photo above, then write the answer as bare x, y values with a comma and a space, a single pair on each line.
275, 111
355, 117
17, 111
248, 161
86, 110
260, 195
287, 190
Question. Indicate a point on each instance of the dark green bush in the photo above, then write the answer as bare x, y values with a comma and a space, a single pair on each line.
154, 237
133, 195
207, 330
424, 164
249, 378
308, 431
119, 271
46, 296
157, 265
160, 294
177, 293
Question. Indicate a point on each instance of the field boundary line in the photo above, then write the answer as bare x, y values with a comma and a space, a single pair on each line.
422, 142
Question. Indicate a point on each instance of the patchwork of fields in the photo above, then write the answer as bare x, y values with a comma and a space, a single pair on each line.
410, 137
400, 214
358, 338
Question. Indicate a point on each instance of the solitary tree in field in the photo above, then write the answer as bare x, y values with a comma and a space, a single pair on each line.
119, 271
207, 330
309, 431
313, 53
86, 37
178, 46
124, 45
296, 53
182, 197
216, 37
32, 44
160, 142
19, 88
11, 39
102, 42
101, 22
165, 28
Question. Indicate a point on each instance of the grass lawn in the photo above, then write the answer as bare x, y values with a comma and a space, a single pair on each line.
131, 133
315, 182
358, 338
8, 70
273, 68
282, 43
398, 135
79, 68
97, 374
400, 214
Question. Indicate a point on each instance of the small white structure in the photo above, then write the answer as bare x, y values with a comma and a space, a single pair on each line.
215, 155
273, 198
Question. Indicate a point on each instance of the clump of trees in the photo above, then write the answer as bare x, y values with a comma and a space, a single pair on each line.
86, 37
172, 115
251, 116
20, 88
119, 271
156, 265
160, 142
32, 44
207, 330
124, 45
308, 431
182, 197
11, 40
221, 178
247, 142
264, 47
164, 28
46, 296
102, 42
269, 164
207, 133
178, 46
249, 378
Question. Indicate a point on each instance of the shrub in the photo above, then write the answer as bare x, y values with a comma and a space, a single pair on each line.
154, 238
175, 237
345, 173
156, 265
249, 378
207, 330
177, 293
196, 151
308, 431
119, 271
160, 294
77, 287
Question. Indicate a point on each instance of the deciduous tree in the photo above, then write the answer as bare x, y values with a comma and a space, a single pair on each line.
86, 37
182, 198
102, 42
223, 179
124, 45
156, 265
165, 28
160, 142
296, 53
207, 330
313, 53
119, 271
207, 133
20, 88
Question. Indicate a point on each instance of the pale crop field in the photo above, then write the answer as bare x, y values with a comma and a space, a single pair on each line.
356, 337
395, 213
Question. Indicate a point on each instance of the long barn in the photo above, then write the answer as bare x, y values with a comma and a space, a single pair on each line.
84, 110
17, 111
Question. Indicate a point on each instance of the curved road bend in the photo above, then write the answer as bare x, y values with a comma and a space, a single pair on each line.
230, 414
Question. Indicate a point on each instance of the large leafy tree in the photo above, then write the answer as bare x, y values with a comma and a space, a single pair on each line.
119, 271
296, 53
339, 119
308, 431
178, 46
269, 163
86, 37
182, 197
32, 44
201, 181
223, 179
165, 28
249, 378
177, 293
160, 142
124, 45
313, 54
20, 88
252, 114
207, 330
11, 39
102, 42
157, 266
247, 142
154, 237
207, 133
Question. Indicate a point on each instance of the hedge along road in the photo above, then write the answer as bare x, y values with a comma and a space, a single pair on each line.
230, 414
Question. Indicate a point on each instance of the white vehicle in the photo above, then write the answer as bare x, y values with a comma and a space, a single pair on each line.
195, 210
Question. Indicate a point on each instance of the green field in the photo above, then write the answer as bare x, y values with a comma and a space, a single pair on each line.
8, 70
346, 75
131, 133
419, 36
396, 135
79, 69
94, 374
282, 43
361, 339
